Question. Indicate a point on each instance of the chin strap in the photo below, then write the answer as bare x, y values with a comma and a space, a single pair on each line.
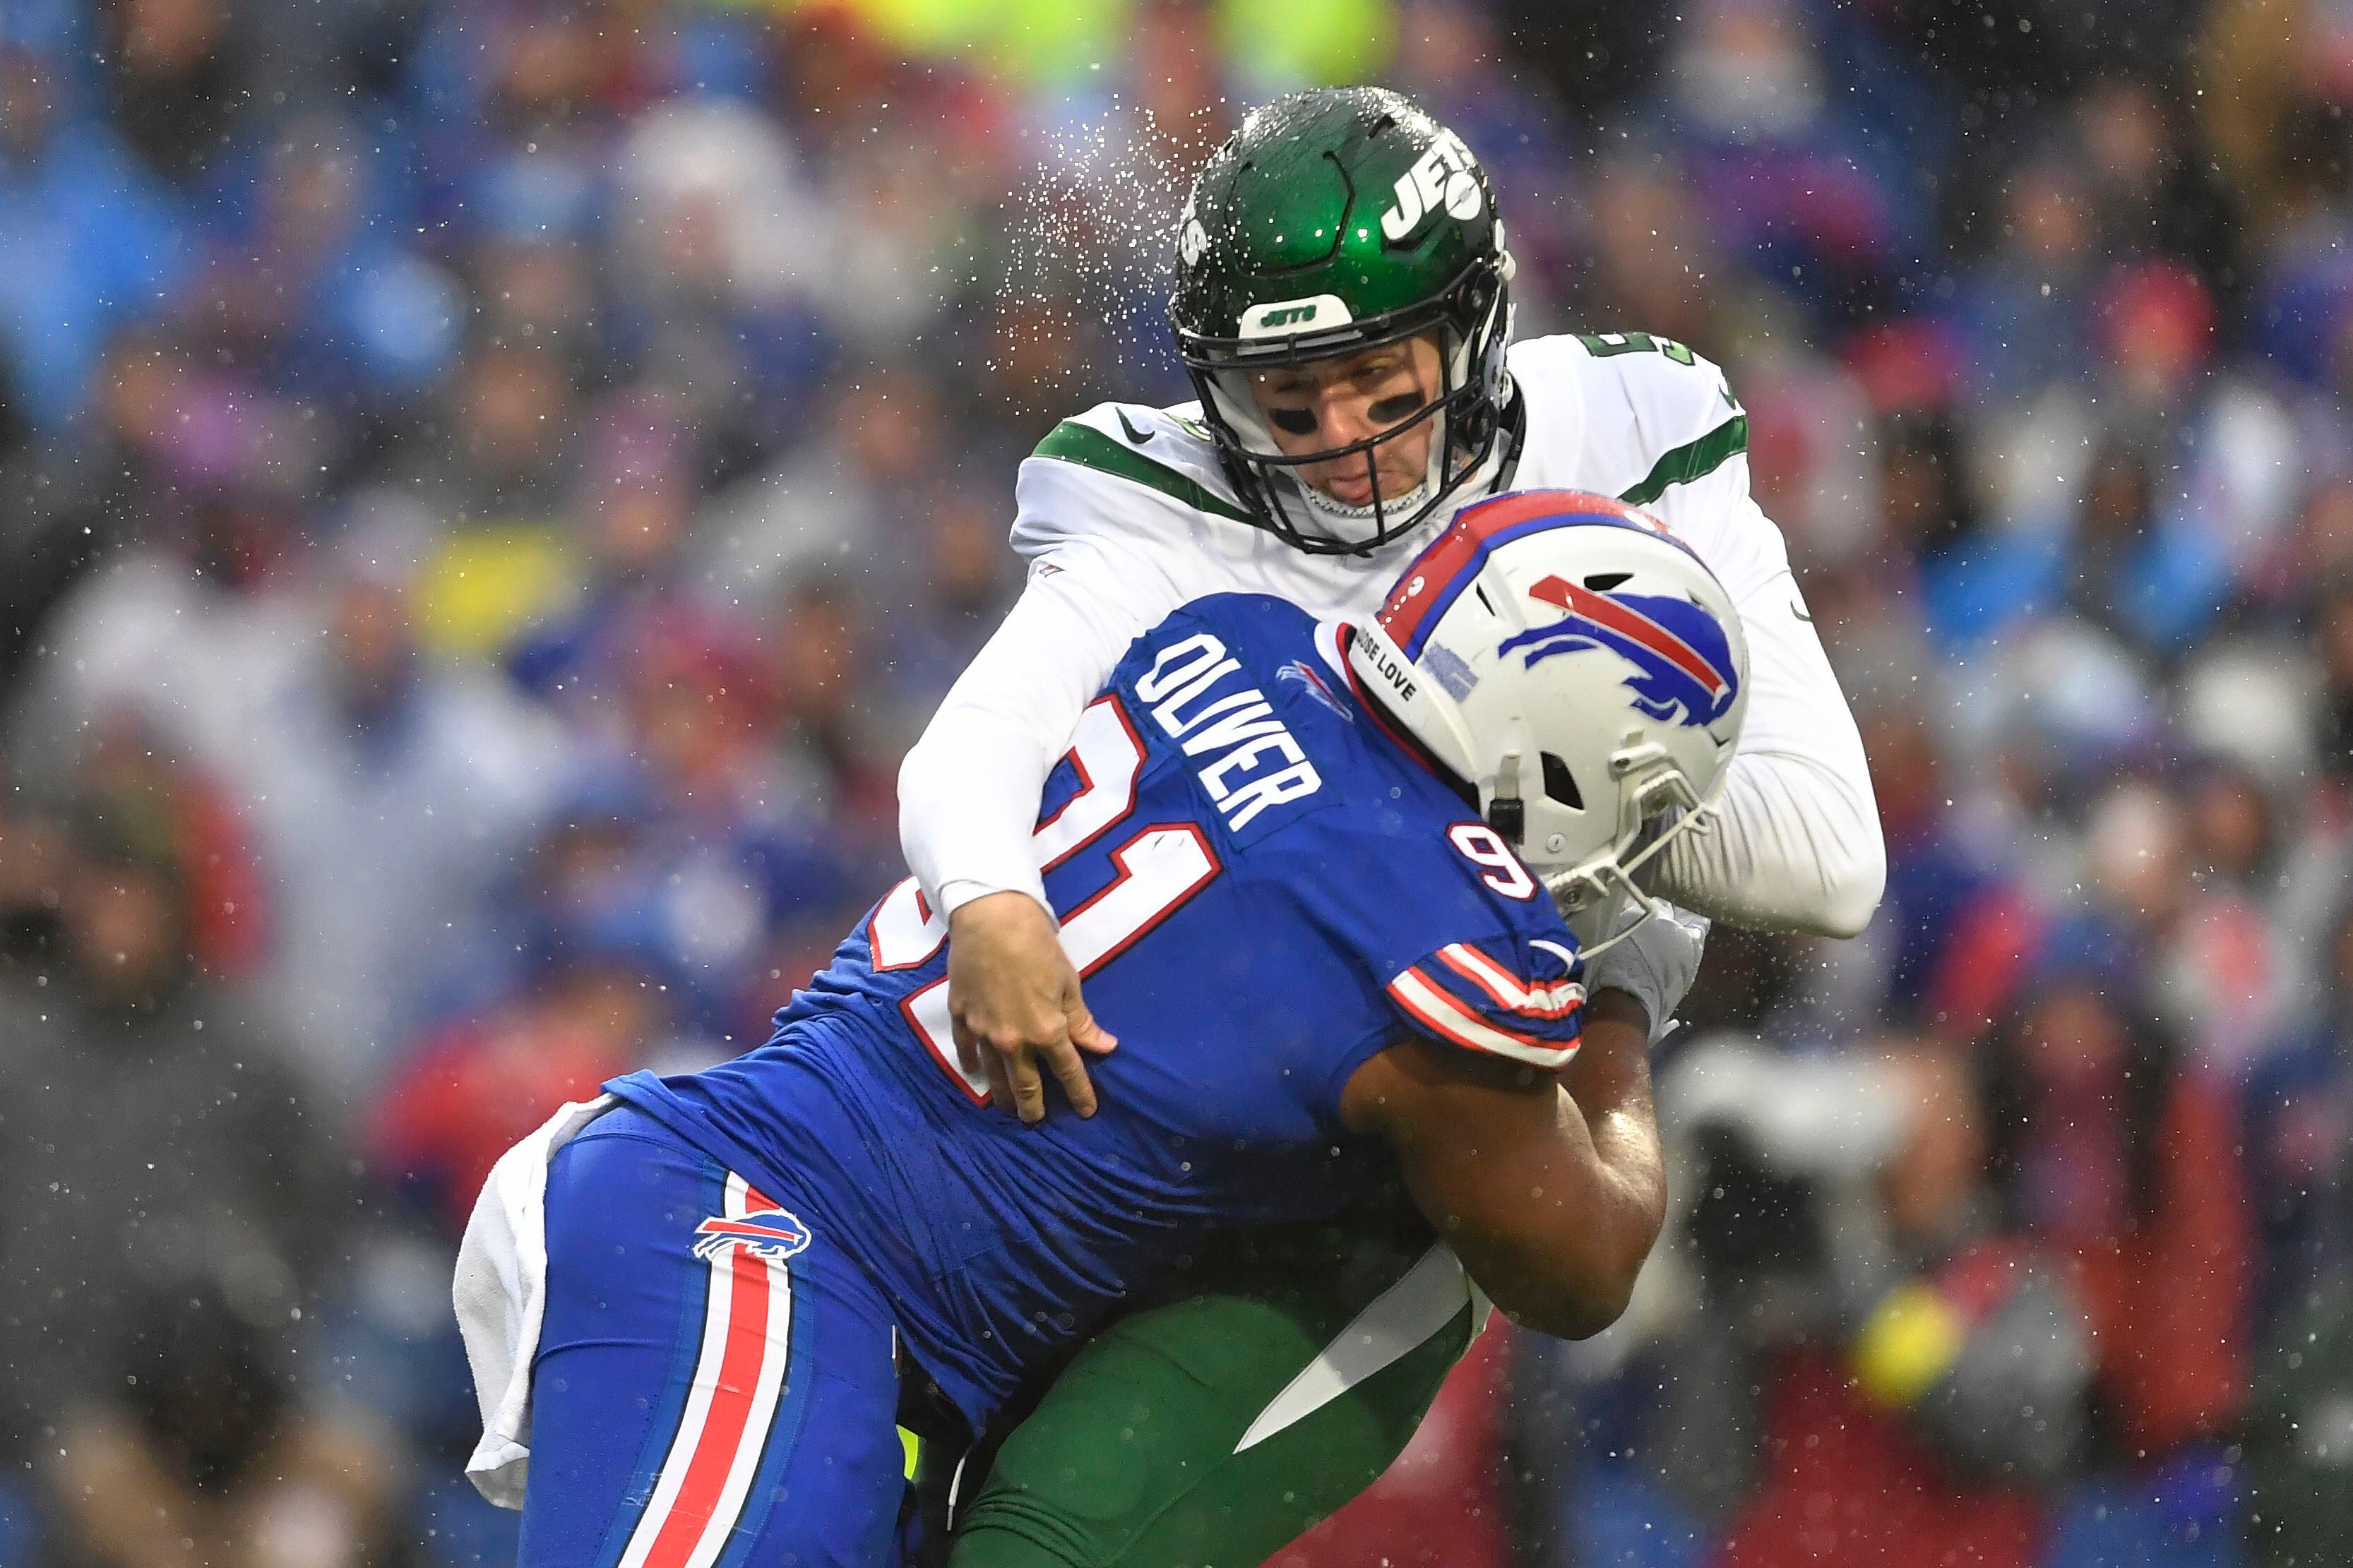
1507, 813
1333, 510
1478, 482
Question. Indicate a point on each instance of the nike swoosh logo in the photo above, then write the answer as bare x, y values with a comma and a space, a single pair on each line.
1800, 611
1135, 435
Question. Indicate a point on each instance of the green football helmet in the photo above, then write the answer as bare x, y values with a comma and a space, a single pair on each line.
1333, 221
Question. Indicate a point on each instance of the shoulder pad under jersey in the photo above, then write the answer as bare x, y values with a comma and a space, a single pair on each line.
1649, 413
1119, 467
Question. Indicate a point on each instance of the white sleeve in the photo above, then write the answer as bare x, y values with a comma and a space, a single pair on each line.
1797, 845
968, 790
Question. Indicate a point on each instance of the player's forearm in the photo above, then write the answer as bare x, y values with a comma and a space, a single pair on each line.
1796, 845
968, 790
1555, 1265
1610, 1075
1566, 1265
967, 799
1609, 1086
1791, 848
1551, 1204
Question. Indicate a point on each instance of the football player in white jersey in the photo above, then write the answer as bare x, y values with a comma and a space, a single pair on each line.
1343, 303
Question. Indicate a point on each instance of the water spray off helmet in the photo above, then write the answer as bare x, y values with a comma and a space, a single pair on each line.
1335, 221
1578, 667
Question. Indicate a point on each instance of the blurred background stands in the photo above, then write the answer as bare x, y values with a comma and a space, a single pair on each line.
497, 487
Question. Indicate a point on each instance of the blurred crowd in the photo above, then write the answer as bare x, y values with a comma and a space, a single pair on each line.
494, 488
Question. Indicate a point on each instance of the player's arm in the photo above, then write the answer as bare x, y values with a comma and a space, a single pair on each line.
1797, 843
967, 803
1548, 1186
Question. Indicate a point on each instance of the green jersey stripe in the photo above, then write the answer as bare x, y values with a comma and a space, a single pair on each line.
1692, 460
1075, 443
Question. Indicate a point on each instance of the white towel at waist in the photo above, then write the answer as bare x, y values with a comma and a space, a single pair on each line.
500, 1291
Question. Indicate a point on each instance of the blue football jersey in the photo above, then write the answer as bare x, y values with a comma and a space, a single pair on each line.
1262, 890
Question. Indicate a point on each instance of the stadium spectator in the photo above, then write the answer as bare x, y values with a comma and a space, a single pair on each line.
470, 1091
2299, 1140
2119, 1155
179, 87
91, 241
1930, 1428
197, 1203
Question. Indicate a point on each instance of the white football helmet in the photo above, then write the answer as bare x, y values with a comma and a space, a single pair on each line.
1575, 663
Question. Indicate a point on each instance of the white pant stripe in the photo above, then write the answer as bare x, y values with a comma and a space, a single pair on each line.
764, 1394
1400, 1319
664, 1538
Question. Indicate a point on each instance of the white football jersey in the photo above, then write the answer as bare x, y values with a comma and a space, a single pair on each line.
1124, 513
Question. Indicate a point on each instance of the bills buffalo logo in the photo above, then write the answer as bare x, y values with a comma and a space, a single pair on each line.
1298, 671
1683, 670
774, 1234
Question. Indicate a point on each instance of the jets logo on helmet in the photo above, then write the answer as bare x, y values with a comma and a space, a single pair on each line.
1682, 666
1440, 181
1284, 318
1337, 222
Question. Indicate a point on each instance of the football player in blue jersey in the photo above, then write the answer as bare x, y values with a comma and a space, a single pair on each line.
1309, 870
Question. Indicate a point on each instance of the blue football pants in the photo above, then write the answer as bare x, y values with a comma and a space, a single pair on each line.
715, 1386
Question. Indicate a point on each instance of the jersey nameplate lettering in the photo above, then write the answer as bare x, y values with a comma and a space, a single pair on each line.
1201, 699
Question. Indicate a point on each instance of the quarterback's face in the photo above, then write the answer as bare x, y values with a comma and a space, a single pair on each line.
1337, 402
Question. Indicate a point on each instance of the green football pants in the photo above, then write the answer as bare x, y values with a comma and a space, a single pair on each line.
1210, 1429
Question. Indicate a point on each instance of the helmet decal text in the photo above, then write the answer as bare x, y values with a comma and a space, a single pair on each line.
1286, 317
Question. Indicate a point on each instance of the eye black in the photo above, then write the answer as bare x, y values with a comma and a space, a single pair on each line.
1389, 410
1293, 421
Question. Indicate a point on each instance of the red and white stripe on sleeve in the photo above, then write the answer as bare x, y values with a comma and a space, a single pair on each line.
1527, 1005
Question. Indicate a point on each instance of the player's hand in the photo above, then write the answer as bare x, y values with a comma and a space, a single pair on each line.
1014, 998
1655, 965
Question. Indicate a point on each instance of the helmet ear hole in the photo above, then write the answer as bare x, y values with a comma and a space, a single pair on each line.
1560, 783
